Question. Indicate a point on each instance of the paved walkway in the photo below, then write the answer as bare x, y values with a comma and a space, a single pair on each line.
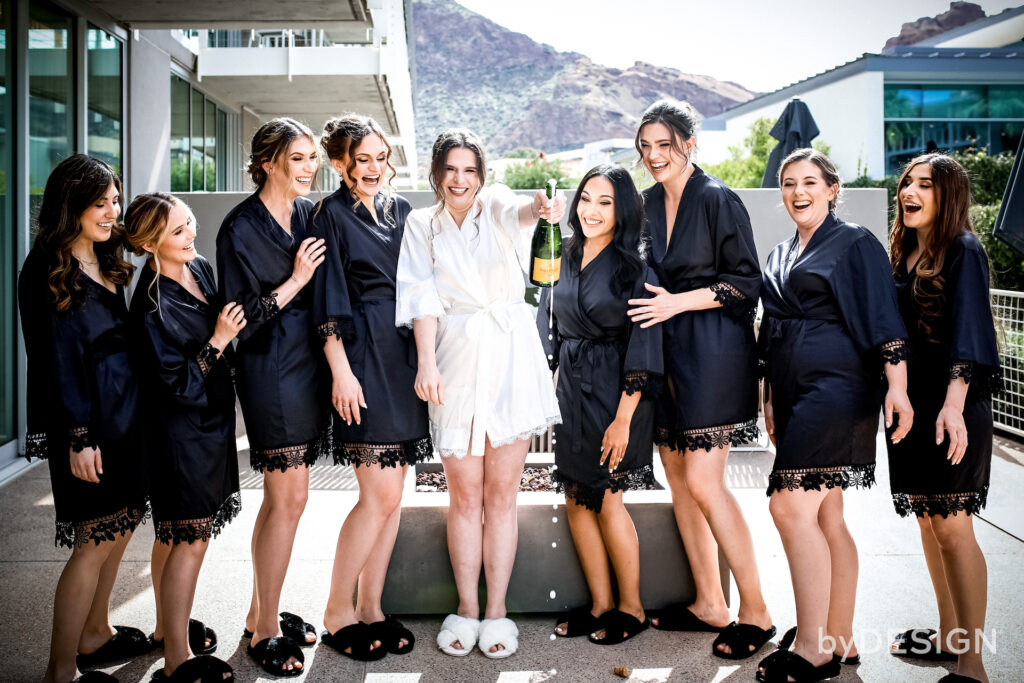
894, 592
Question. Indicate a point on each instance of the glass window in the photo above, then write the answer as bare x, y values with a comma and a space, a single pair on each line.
104, 89
222, 149
50, 96
198, 142
954, 102
8, 326
902, 101
180, 93
1006, 101
210, 135
1006, 136
902, 143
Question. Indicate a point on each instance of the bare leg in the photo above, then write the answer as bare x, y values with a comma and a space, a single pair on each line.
701, 548
937, 573
257, 529
284, 495
967, 577
623, 548
503, 470
76, 589
796, 517
845, 564
362, 534
586, 535
181, 573
157, 561
465, 477
705, 480
97, 629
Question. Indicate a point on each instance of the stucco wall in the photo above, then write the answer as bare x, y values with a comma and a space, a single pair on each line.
849, 113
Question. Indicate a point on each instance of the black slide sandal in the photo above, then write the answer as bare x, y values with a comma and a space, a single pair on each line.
95, 677
357, 638
739, 637
273, 653
204, 668
127, 642
790, 636
618, 627
390, 633
198, 633
917, 643
579, 621
296, 628
782, 664
679, 617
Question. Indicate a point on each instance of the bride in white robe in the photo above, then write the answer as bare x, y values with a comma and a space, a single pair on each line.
481, 367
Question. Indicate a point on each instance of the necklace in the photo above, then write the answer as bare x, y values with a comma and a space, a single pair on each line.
83, 261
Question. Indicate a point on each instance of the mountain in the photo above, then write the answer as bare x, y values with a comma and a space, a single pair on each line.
515, 92
958, 14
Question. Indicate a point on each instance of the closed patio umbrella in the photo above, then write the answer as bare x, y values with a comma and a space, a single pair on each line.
1010, 221
794, 130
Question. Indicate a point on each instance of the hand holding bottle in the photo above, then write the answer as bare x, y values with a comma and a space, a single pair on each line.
550, 210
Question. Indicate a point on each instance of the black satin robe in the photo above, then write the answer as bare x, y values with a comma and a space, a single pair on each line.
190, 406
961, 343
710, 355
354, 300
283, 381
600, 353
83, 390
830, 321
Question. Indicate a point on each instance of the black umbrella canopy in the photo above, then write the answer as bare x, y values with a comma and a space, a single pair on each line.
794, 130
1010, 221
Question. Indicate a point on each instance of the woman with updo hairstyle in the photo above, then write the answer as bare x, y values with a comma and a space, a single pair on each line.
265, 258
380, 424
831, 331
940, 471
610, 372
185, 344
702, 249
84, 407
482, 368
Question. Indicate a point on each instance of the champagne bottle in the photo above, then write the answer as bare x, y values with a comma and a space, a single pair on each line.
546, 249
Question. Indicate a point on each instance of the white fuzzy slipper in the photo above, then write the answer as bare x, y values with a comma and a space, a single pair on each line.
498, 632
461, 629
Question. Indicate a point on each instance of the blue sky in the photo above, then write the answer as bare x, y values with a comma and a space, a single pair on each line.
760, 44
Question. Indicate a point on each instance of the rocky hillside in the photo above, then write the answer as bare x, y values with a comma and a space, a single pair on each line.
958, 14
515, 92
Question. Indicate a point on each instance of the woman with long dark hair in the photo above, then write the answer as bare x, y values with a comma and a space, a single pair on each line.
610, 369
380, 424
830, 327
481, 367
941, 469
83, 406
702, 249
265, 258
185, 341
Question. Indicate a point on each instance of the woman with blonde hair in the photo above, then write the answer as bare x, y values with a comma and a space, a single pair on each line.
186, 351
380, 424
481, 366
942, 468
265, 259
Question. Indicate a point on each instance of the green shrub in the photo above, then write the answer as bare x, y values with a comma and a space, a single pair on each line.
1005, 264
534, 175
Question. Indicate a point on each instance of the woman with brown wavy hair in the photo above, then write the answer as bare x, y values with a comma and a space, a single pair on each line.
265, 259
380, 425
83, 406
942, 468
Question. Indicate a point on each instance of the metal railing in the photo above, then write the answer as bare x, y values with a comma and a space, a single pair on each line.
1008, 405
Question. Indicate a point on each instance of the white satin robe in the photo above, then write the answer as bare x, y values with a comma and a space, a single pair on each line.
494, 374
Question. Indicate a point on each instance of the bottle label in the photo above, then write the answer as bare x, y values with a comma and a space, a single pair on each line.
546, 270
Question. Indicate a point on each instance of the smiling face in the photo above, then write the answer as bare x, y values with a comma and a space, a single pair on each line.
368, 162
806, 194
660, 154
292, 173
461, 180
918, 203
596, 209
177, 242
97, 221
